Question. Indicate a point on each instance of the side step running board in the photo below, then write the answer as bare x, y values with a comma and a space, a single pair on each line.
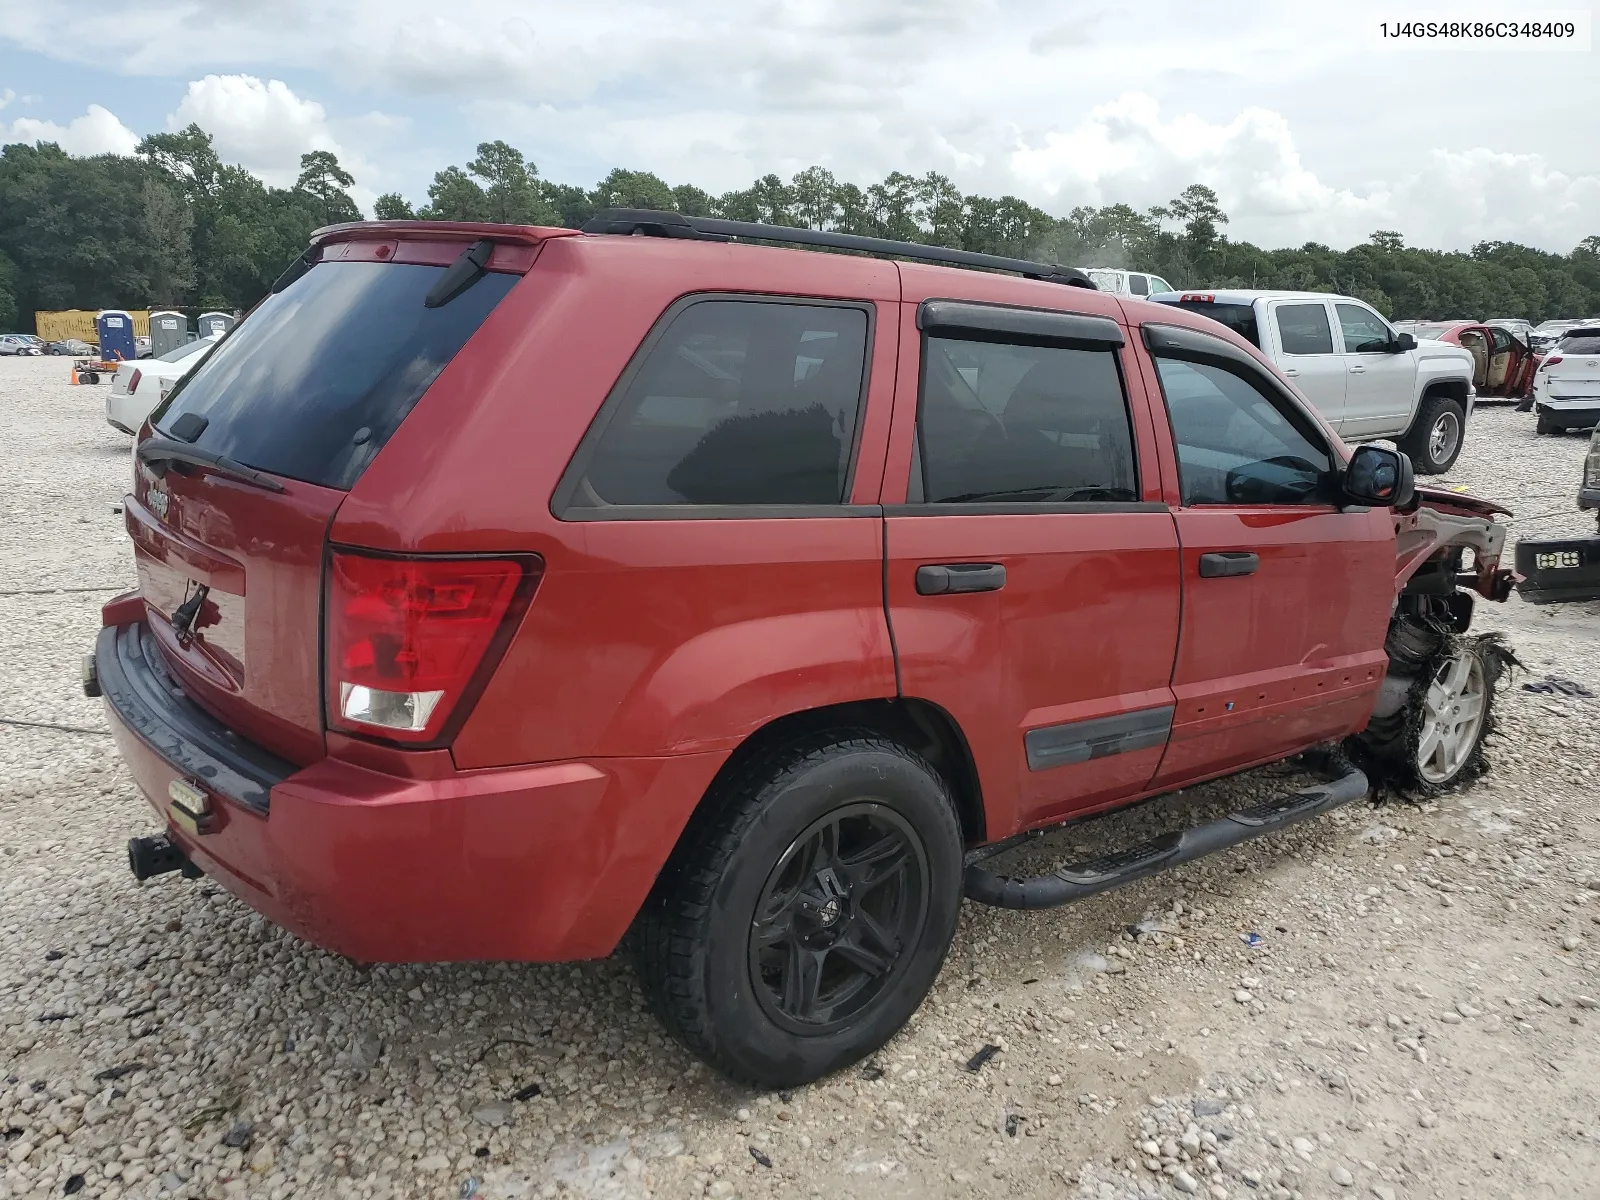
1075, 881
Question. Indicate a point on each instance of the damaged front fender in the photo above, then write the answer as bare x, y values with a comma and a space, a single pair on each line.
1433, 534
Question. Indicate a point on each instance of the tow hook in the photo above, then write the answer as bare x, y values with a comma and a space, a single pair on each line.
151, 856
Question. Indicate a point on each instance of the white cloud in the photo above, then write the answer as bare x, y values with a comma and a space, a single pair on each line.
96, 132
264, 127
1303, 131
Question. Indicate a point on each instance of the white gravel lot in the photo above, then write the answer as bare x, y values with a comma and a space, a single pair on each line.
1416, 1021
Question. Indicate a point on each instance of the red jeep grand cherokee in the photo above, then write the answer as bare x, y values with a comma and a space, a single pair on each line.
503, 590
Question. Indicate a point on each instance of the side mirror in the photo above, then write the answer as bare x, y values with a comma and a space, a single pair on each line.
1402, 343
1379, 477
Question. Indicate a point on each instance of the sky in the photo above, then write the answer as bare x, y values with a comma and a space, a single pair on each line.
1304, 121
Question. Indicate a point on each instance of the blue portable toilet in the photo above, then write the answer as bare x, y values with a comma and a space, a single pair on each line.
115, 329
168, 332
215, 323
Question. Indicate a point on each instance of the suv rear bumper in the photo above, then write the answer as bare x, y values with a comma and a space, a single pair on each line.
541, 863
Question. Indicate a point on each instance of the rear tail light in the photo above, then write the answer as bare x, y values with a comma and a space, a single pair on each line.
1552, 360
412, 641
133, 382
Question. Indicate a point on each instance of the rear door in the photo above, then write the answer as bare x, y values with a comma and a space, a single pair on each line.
1286, 598
1031, 565
1307, 354
293, 404
1380, 384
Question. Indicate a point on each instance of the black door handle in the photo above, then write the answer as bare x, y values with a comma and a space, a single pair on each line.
1228, 562
941, 579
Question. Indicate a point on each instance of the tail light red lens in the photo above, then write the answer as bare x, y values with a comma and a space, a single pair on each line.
133, 381
1552, 360
412, 640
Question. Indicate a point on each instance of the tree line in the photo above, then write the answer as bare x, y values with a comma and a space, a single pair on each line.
173, 225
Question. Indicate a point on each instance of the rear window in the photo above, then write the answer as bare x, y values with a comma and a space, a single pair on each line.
313, 382
1241, 318
1587, 343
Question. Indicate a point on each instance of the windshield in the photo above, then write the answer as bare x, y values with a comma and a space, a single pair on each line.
313, 383
1436, 329
1106, 281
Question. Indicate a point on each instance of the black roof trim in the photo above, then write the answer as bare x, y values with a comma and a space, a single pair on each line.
653, 223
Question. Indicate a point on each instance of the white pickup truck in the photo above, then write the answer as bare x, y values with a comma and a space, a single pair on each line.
1367, 380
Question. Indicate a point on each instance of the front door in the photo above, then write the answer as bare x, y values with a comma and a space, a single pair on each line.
1307, 354
1379, 383
1032, 570
1286, 598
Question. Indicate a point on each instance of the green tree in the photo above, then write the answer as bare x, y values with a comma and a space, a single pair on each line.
325, 181
392, 206
10, 287
169, 231
632, 189
814, 197
455, 196
511, 191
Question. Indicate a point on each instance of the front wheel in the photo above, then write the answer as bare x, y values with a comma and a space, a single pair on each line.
806, 910
1436, 738
1436, 436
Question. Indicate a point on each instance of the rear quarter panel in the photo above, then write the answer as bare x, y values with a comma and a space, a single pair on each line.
646, 637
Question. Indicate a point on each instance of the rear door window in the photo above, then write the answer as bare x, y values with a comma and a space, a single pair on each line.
313, 382
1304, 328
1139, 285
1007, 423
738, 402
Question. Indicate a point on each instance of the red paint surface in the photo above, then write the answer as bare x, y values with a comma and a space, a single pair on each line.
654, 647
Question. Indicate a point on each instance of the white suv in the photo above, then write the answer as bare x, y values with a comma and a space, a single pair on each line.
1126, 283
1366, 379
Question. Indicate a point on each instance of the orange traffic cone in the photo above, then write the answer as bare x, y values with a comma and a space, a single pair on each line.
74, 378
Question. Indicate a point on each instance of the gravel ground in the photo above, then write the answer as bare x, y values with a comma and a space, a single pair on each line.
1392, 1001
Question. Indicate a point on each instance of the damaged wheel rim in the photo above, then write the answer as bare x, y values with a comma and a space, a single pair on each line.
1452, 716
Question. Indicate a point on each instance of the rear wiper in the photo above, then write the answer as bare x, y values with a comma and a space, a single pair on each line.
460, 275
164, 450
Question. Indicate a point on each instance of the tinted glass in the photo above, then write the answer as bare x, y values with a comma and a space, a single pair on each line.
1364, 332
1157, 284
1138, 285
1304, 329
1433, 331
313, 382
1235, 445
1582, 344
739, 403
1002, 422
1241, 318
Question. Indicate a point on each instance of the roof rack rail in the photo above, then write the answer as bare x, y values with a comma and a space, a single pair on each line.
655, 223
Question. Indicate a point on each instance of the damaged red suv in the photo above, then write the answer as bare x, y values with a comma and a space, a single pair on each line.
505, 591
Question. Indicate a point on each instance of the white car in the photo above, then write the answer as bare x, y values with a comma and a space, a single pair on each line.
1126, 283
139, 386
1368, 380
1566, 388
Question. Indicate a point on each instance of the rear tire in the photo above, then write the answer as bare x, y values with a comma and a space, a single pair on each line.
806, 910
1435, 438
1544, 423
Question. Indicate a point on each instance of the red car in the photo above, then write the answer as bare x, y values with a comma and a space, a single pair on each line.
505, 590
1503, 363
